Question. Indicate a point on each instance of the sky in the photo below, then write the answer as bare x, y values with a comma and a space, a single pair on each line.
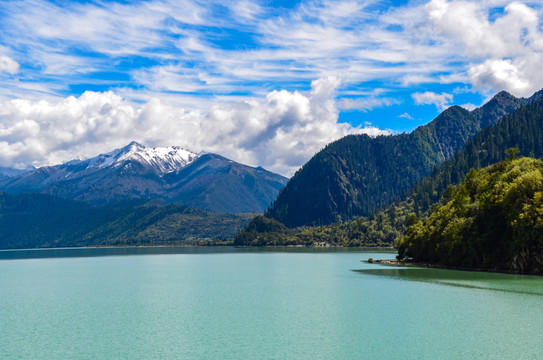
264, 82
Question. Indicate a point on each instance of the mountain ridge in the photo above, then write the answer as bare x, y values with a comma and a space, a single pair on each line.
137, 172
522, 130
357, 174
163, 159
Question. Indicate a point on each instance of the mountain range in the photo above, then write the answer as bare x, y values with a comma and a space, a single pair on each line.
133, 195
519, 133
358, 174
174, 175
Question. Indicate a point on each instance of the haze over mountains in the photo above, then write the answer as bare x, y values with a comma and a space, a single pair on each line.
6, 172
171, 174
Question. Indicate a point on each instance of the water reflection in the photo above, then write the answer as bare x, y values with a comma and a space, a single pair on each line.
523, 284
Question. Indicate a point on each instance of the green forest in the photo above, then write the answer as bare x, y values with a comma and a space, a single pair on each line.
493, 220
522, 130
37, 221
358, 174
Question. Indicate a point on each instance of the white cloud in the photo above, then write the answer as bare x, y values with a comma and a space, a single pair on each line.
469, 106
366, 103
500, 74
441, 101
193, 88
505, 53
8, 65
82, 38
406, 116
312, 40
279, 132
434, 42
246, 10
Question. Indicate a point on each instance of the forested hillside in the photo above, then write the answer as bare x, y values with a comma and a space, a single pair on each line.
522, 130
36, 221
493, 220
356, 175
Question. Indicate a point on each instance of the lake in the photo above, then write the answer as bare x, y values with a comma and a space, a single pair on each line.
228, 303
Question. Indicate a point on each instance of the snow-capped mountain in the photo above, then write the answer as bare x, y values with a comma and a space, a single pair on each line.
162, 159
136, 172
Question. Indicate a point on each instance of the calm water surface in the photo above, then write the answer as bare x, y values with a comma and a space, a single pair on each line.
193, 303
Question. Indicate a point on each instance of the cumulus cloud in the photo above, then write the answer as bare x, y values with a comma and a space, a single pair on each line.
500, 74
8, 65
279, 132
506, 50
441, 101
169, 53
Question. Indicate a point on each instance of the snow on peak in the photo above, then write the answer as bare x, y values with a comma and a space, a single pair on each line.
163, 159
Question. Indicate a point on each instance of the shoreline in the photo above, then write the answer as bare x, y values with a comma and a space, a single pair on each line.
403, 263
387, 248
34, 253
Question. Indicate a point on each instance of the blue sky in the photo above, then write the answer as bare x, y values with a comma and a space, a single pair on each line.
263, 82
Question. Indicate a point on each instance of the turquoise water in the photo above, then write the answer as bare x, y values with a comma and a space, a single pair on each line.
179, 303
